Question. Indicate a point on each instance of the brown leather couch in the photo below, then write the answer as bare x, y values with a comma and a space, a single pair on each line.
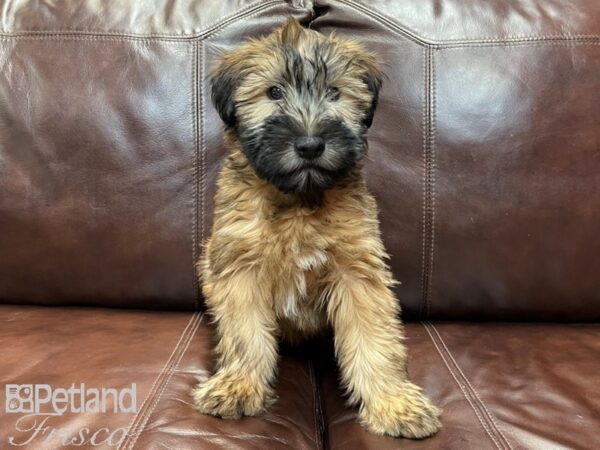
484, 157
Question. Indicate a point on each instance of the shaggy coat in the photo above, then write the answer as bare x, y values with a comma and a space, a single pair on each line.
295, 246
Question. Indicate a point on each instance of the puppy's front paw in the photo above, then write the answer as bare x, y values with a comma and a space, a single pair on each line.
230, 397
408, 414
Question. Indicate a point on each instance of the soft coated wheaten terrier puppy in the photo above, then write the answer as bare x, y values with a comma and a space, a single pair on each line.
295, 246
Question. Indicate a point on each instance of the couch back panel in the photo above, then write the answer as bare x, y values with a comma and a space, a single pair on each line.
486, 161
484, 154
103, 147
95, 174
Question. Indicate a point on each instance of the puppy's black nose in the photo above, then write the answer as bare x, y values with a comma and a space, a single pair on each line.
309, 147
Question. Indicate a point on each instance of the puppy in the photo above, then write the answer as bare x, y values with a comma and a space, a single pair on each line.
295, 246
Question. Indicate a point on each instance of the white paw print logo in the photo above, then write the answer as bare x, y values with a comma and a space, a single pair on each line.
19, 398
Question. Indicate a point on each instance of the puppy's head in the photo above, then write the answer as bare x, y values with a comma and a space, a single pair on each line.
300, 104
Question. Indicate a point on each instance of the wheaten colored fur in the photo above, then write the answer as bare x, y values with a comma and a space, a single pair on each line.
290, 264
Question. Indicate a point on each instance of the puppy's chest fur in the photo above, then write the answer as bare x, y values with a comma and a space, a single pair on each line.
293, 243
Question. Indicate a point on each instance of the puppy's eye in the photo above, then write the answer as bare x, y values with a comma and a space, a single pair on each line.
275, 93
333, 93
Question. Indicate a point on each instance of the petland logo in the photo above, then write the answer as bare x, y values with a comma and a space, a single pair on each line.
43, 399
41, 402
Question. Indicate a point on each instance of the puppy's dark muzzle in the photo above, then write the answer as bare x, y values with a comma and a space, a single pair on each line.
309, 147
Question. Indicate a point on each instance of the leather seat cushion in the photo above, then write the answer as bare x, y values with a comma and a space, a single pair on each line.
165, 354
501, 386
496, 388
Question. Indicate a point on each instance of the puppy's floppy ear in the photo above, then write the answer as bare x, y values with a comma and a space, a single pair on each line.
367, 65
373, 80
224, 81
364, 64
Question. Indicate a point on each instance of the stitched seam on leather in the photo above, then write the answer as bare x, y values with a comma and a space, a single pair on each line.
432, 178
416, 36
92, 38
317, 412
142, 41
487, 425
523, 44
385, 21
260, 5
462, 388
428, 183
524, 38
202, 143
156, 399
180, 351
134, 425
481, 402
133, 429
196, 107
216, 33
153, 388
425, 131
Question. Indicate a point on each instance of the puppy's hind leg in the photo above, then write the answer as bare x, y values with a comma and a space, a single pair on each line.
372, 357
247, 348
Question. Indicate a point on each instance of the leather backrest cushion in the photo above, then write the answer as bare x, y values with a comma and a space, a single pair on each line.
106, 147
484, 153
